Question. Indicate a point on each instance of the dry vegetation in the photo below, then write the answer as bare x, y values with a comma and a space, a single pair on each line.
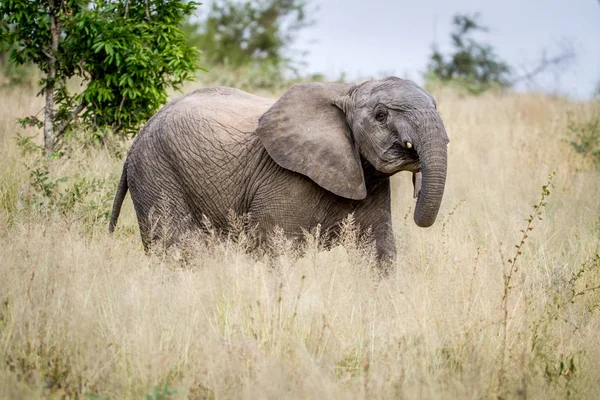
83, 314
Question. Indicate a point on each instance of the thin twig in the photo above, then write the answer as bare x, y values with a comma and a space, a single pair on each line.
544, 64
120, 109
514, 268
584, 291
46, 54
63, 125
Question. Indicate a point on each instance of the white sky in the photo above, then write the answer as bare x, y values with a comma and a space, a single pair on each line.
365, 38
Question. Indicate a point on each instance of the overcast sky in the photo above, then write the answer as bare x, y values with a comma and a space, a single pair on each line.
366, 38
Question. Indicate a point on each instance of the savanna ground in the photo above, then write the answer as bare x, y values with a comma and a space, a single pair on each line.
87, 315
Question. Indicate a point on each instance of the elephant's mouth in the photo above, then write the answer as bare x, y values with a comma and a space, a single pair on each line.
398, 158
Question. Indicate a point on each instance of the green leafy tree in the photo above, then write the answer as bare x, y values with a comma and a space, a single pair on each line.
127, 53
239, 33
470, 62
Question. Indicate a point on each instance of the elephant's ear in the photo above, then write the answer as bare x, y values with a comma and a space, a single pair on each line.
305, 132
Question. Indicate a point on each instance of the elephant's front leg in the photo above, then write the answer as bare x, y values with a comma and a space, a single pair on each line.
375, 212
385, 244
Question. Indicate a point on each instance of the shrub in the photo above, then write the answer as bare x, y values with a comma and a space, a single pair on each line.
585, 138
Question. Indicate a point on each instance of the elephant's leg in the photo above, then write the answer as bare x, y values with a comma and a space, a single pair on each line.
375, 212
384, 243
163, 220
385, 247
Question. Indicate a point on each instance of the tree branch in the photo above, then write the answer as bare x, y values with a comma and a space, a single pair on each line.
584, 291
49, 88
121, 109
63, 125
546, 63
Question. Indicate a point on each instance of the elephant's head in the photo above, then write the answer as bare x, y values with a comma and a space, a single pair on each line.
326, 130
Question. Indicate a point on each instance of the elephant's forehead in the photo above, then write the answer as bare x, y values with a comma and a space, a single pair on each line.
402, 94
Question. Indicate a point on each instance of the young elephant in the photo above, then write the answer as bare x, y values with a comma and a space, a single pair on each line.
320, 152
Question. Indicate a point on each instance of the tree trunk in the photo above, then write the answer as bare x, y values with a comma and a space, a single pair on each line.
49, 136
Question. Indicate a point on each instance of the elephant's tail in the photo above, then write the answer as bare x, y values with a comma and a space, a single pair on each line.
119, 197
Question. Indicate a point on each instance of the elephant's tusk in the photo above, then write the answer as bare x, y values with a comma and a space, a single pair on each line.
408, 145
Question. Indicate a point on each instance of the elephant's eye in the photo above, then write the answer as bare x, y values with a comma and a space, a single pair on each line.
381, 115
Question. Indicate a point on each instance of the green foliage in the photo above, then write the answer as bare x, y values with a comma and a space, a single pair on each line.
513, 269
131, 56
45, 191
471, 65
126, 52
582, 287
27, 145
350, 365
256, 76
96, 397
559, 368
162, 393
586, 138
77, 197
239, 33
13, 75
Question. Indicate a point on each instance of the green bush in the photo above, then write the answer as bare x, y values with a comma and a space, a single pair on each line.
585, 138
81, 198
12, 75
126, 53
472, 66
254, 77
46, 194
253, 38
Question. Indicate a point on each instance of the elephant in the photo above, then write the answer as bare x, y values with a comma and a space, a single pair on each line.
315, 155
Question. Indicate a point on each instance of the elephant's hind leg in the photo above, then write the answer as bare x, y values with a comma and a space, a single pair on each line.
165, 224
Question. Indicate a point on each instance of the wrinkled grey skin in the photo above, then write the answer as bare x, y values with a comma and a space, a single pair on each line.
320, 152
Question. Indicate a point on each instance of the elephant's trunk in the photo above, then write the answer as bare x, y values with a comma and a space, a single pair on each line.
433, 156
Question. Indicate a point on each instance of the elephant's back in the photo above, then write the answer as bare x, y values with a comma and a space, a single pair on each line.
211, 120
198, 112
200, 147
232, 109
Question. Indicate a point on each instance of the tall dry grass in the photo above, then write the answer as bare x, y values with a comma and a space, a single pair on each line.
86, 314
